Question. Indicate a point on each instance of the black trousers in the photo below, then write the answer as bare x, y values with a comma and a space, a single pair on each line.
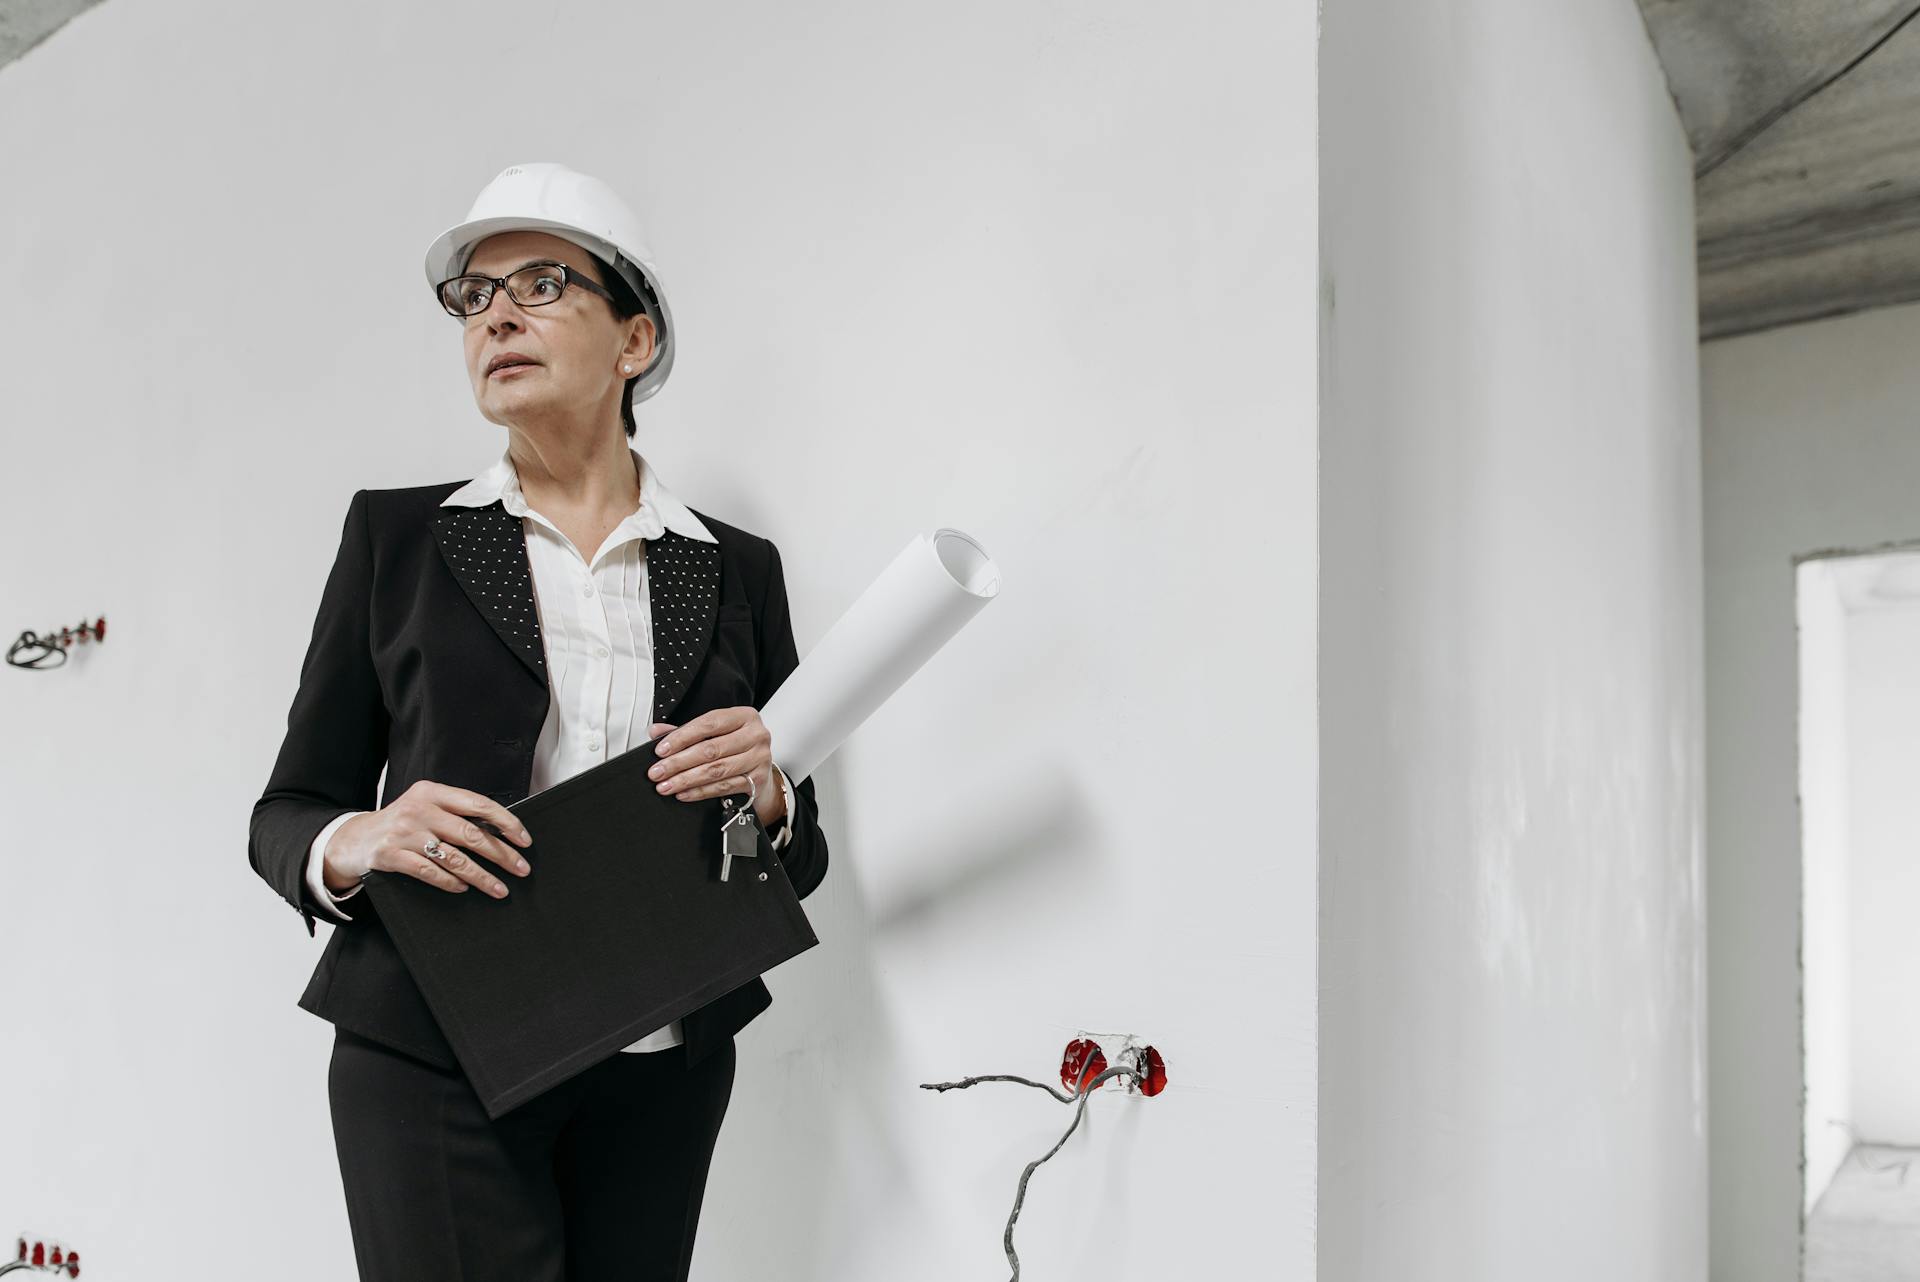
598, 1179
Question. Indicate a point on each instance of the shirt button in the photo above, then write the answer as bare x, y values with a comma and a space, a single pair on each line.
593, 745
601, 651
587, 591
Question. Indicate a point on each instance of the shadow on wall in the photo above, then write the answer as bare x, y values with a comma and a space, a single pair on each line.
1039, 824
828, 1071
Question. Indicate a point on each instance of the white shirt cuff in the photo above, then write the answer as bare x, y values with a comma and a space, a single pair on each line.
322, 893
786, 825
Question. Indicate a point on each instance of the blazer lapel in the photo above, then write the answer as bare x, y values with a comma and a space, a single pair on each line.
486, 549
487, 552
683, 590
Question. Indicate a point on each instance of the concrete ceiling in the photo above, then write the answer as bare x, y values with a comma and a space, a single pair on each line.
1804, 116
25, 23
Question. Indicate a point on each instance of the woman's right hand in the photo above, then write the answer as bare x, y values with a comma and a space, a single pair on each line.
391, 839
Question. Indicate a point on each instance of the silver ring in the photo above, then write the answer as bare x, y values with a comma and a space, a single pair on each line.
432, 849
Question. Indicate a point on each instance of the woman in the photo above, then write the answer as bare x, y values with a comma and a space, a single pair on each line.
483, 640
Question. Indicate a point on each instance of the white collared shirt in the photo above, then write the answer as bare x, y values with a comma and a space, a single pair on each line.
596, 628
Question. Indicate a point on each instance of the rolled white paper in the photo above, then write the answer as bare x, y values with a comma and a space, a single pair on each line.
936, 583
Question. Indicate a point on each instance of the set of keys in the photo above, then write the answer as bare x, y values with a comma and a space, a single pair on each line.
739, 837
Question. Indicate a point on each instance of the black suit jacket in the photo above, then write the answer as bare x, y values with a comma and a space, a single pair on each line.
426, 659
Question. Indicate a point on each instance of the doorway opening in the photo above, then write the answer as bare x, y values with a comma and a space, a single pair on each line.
1858, 616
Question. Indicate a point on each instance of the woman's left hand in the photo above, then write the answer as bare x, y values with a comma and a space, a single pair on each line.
714, 755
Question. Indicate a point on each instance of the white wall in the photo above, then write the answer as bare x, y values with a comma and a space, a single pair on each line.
1512, 999
1045, 274
1883, 719
1808, 444
1826, 929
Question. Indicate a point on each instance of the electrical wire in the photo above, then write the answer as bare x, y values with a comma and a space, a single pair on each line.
1082, 1094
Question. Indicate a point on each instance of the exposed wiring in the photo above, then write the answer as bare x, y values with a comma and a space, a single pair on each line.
965, 1082
33, 652
1086, 1087
67, 1262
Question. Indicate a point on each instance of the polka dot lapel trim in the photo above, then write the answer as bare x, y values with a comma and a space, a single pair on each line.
683, 590
486, 548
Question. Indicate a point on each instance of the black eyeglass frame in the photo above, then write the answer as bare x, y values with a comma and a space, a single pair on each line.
567, 277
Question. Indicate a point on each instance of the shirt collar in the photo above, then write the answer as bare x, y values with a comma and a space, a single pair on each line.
659, 509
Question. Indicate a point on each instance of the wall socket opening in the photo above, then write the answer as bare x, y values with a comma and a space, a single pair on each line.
1113, 1050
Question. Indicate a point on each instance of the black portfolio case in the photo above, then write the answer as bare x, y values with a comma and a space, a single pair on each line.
622, 926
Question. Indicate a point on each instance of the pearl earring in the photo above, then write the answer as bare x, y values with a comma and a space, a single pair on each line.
627, 369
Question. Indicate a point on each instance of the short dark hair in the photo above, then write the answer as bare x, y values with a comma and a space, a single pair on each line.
626, 305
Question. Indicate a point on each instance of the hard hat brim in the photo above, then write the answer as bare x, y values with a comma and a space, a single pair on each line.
448, 254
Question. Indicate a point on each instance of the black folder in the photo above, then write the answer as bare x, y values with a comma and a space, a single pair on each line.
622, 926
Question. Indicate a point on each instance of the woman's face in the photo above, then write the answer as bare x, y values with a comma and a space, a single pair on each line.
575, 346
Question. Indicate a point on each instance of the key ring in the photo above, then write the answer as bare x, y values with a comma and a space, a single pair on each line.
753, 791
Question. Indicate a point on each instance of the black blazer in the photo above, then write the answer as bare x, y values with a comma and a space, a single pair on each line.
426, 659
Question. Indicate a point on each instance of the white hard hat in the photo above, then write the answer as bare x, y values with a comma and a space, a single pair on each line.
576, 207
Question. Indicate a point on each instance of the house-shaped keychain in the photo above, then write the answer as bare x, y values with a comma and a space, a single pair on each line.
737, 837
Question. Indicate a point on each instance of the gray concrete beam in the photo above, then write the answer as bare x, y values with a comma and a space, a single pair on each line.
1816, 216
25, 23
1831, 280
1734, 66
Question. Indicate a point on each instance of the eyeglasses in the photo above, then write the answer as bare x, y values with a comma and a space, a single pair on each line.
534, 285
